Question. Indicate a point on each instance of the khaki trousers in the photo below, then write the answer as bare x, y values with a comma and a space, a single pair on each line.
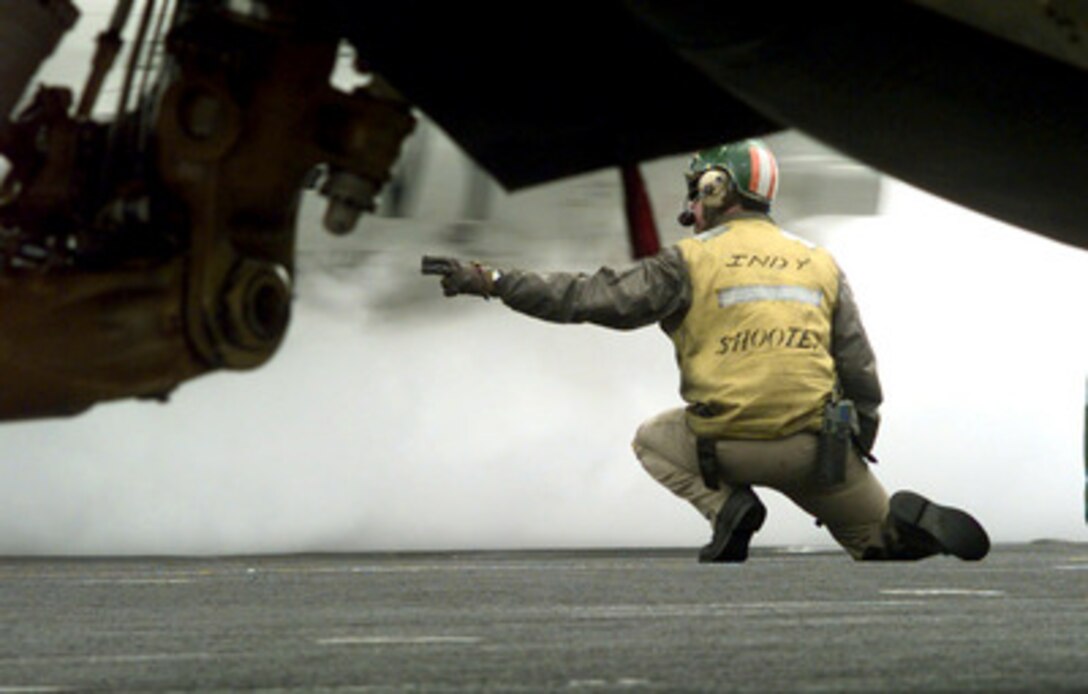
853, 511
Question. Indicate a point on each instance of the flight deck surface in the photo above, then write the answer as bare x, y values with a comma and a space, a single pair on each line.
606, 620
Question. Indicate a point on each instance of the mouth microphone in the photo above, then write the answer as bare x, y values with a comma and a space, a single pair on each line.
686, 218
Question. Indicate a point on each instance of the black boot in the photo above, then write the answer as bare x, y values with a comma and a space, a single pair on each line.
741, 516
923, 528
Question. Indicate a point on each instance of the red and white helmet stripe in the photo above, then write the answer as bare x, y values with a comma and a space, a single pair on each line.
764, 179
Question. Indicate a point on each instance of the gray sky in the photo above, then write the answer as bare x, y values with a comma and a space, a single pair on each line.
389, 423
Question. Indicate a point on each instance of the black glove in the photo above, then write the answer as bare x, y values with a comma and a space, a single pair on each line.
462, 278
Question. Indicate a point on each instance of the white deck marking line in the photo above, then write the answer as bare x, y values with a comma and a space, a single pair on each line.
600, 683
144, 657
722, 608
597, 683
134, 581
102, 658
395, 640
34, 688
944, 591
1072, 567
536, 567
115, 658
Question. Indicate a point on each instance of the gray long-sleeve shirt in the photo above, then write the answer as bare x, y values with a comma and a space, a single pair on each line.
659, 290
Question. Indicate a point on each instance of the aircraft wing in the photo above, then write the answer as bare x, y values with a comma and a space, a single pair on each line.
538, 91
543, 91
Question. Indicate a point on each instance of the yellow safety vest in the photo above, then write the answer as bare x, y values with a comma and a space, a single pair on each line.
755, 346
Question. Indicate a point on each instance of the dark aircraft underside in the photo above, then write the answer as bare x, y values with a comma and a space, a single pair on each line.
537, 91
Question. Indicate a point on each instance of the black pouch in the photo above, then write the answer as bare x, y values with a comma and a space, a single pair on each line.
707, 450
837, 433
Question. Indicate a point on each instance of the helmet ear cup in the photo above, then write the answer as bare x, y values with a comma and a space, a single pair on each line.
715, 191
715, 188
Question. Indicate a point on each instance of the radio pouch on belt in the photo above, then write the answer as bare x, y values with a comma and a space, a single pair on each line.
708, 462
837, 433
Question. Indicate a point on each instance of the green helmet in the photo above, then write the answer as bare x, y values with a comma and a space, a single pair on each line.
749, 163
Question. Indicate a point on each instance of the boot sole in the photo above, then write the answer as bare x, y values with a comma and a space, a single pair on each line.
735, 548
952, 530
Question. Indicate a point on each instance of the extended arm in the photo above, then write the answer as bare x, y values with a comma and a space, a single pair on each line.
649, 291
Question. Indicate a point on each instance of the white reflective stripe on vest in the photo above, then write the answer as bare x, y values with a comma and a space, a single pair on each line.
786, 292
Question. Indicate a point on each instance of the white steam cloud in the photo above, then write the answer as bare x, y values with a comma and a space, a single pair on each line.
460, 424
395, 419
